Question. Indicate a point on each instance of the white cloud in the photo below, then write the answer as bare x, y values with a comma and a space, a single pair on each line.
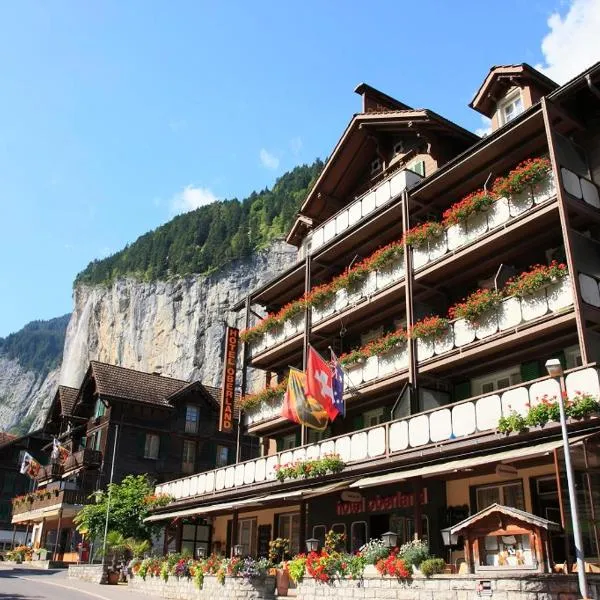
296, 145
487, 127
190, 198
268, 160
573, 43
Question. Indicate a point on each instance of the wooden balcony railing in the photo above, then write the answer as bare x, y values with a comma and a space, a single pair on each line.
86, 458
46, 498
443, 424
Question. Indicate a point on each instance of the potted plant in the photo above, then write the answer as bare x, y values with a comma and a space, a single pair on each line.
115, 548
279, 549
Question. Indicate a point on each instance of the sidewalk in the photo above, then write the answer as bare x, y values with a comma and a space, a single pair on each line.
58, 579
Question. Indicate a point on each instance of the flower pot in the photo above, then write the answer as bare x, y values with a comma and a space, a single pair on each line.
112, 577
425, 348
521, 202
282, 581
498, 213
420, 256
445, 342
457, 236
477, 225
560, 294
391, 273
534, 305
544, 190
487, 324
341, 300
438, 246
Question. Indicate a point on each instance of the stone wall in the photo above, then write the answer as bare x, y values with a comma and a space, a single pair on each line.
186, 589
450, 587
93, 573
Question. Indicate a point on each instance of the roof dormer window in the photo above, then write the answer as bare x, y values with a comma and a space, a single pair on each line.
510, 107
375, 166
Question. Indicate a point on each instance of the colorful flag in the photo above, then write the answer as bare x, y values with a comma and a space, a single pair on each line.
299, 407
59, 452
338, 385
30, 466
319, 382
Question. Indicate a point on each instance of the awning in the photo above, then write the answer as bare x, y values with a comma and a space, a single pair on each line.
254, 501
452, 466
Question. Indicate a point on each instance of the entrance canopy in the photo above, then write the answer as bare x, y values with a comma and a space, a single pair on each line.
263, 500
462, 464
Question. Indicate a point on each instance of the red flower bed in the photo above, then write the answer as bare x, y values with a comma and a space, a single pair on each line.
534, 279
527, 173
432, 326
420, 234
374, 348
394, 566
462, 210
475, 304
250, 401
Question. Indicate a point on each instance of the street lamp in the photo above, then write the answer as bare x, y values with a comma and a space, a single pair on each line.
555, 371
389, 539
312, 545
449, 539
200, 552
238, 550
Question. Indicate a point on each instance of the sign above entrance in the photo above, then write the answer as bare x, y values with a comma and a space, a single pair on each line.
350, 496
377, 503
505, 470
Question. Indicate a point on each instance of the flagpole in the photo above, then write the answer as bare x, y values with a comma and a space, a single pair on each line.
307, 327
112, 472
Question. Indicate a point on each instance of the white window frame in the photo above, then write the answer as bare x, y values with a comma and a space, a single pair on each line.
352, 525
511, 98
294, 540
500, 486
316, 535
152, 446
187, 466
513, 374
248, 549
377, 414
191, 425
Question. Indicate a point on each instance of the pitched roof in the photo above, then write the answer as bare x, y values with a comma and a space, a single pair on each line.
120, 382
67, 397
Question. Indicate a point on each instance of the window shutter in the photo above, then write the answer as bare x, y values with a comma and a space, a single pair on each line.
530, 370
358, 422
462, 391
141, 444
163, 448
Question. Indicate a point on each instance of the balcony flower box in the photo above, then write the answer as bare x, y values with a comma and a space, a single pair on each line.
464, 332
371, 368
341, 300
394, 360
487, 324
519, 203
420, 256
559, 294
294, 325
544, 190
457, 236
509, 314
445, 342
392, 272
356, 291
498, 213
353, 375
477, 224
425, 348
322, 311
438, 246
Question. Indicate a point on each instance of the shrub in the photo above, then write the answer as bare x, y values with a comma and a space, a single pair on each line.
527, 173
414, 552
582, 405
432, 566
462, 210
429, 327
421, 234
302, 469
536, 278
374, 551
297, 567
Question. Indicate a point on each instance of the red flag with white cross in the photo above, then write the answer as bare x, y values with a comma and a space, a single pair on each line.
319, 382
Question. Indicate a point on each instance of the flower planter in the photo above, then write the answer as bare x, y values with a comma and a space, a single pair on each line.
353, 376
323, 310
519, 203
464, 332
438, 247
356, 292
560, 294
544, 190
445, 342
457, 236
534, 305
370, 369
274, 337
391, 273
420, 256
341, 300
370, 285
498, 213
487, 325
112, 577
477, 225
282, 582
509, 314
425, 348
293, 325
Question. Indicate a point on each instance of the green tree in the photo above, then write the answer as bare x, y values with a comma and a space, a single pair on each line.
127, 511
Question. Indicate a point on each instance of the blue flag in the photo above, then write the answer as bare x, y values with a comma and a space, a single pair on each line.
338, 386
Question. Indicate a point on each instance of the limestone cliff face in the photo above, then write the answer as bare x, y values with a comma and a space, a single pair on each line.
176, 326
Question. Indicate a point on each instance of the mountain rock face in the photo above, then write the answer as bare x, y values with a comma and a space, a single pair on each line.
175, 327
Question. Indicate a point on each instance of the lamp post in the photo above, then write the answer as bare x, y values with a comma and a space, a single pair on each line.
312, 545
238, 550
555, 371
389, 539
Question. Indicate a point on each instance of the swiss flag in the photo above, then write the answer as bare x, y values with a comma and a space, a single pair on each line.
319, 382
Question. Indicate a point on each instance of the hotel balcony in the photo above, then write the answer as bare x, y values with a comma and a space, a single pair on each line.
447, 429
45, 504
83, 459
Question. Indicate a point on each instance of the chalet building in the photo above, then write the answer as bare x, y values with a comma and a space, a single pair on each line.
443, 270
154, 424
13, 483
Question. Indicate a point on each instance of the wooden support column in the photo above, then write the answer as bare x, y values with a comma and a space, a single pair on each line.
302, 540
417, 514
566, 234
12, 545
55, 553
561, 506
409, 308
234, 532
307, 328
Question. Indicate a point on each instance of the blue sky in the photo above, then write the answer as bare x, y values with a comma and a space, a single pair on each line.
114, 115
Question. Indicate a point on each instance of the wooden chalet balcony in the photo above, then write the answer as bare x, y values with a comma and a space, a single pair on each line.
450, 424
361, 208
86, 458
47, 499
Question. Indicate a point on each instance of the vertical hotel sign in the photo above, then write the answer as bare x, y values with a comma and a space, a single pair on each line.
228, 387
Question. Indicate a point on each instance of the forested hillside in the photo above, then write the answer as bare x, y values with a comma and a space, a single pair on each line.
209, 237
38, 346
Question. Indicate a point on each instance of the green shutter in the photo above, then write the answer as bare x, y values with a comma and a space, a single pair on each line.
141, 444
530, 370
358, 422
462, 391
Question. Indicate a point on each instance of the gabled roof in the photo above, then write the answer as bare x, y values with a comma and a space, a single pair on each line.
502, 77
129, 384
508, 511
67, 397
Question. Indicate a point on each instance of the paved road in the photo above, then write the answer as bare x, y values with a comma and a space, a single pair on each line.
33, 584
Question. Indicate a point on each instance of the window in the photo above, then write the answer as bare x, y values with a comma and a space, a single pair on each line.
289, 528
151, 446
496, 381
192, 415
222, 457
573, 357
288, 441
375, 166
316, 436
319, 532
418, 167
510, 107
358, 535
94, 440
189, 456
99, 409
373, 417
194, 537
247, 535
340, 528
509, 494
398, 147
